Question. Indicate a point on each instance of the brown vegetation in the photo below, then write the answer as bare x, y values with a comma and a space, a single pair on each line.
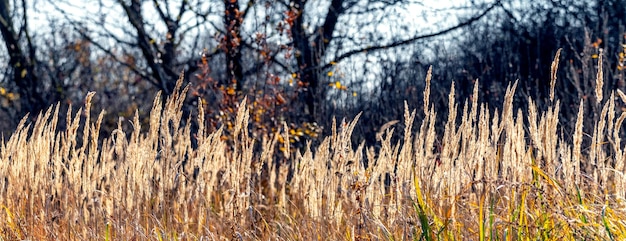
493, 178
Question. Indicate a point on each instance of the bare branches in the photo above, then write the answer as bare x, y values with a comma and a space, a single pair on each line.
21, 58
411, 40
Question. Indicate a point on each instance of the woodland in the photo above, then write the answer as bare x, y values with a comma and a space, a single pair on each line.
300, 62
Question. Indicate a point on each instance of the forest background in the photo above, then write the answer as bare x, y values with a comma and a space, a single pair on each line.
302, 63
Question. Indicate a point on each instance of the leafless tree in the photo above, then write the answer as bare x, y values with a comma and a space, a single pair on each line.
18, 42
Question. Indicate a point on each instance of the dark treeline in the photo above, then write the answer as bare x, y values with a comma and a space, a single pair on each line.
518, 40
300, 63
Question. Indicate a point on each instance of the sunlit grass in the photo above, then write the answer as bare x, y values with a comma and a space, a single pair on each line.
494, 178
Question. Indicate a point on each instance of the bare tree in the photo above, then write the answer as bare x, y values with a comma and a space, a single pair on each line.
22, 54
312, 49
40, 64
232, 45
163, 44
244, 40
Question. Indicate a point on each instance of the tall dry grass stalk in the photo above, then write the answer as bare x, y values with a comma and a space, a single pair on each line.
553, 68
494, 177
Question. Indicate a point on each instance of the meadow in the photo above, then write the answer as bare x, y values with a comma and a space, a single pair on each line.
503, 175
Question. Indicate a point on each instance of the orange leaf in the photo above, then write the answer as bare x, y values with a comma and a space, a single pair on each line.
280, 99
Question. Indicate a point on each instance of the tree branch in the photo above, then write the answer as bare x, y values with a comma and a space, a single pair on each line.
164, 18
113, 56
133, 12
411, 40
325, 36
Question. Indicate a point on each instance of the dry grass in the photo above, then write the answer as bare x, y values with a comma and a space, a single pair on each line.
495, 178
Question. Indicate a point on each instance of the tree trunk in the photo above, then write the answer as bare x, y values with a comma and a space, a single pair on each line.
232, 44
310, 54
23, 66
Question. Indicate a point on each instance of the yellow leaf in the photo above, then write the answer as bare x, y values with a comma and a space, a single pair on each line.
354, 93
338, 85
294, 75
230, 91
330, 74
333, 63
24, 72
3, 91
594, 56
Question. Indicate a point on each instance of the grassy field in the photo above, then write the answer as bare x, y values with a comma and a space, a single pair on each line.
494, 178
